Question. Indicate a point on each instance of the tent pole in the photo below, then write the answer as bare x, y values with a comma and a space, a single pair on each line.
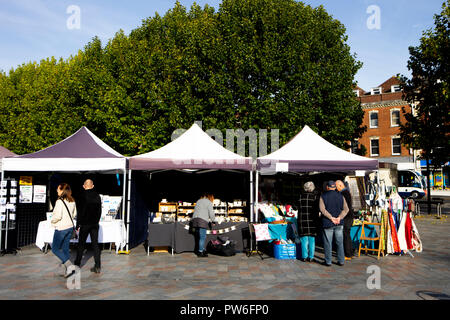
256, 195
124, 203
1, 188
251, 196
128, 208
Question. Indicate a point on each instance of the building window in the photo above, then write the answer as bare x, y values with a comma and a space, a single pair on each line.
356, 92
374, 147
376, 90
396, 146
395, 88
373, 119
395, 118
354, 146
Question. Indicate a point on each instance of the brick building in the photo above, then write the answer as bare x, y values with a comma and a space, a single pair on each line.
383, 114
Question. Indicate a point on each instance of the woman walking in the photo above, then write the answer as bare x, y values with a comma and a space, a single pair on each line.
307, 222
62, 220
203, 212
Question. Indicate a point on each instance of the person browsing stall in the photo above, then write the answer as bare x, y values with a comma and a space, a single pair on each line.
333, 209
88, 223
203, 213
348, 219
307, 221
62, 220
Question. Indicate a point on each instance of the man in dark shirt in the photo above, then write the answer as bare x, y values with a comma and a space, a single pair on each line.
88, 223
333, 209
348, 220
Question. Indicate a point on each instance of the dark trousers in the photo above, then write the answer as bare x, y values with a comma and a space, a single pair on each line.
348, 248
86, 230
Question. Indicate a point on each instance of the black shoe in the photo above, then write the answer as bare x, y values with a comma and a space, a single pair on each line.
95, 269
340, 264
310, 259
326, 264
303, 260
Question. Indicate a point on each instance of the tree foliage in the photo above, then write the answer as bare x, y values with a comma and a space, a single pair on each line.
251, 64
428, 89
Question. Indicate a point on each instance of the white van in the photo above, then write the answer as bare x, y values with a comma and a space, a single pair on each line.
411, 184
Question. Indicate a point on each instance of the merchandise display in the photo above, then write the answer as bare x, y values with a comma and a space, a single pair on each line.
181, 211
274, 213
110, 207
398, 232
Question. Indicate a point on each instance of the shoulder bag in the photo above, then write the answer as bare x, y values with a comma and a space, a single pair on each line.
74, 231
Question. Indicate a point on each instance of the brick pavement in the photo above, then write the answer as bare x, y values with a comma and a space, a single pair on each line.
30, 275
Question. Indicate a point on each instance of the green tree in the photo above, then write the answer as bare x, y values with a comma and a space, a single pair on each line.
251, 64
427, 128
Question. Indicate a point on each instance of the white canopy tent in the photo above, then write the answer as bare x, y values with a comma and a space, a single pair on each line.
83, 151
193, 150
308, 152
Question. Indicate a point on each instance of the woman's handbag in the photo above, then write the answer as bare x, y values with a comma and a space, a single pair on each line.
74, 231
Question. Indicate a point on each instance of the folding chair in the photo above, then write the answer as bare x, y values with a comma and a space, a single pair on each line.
364, 238
254, 239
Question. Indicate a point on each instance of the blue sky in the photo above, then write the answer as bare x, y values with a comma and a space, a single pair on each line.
31, 30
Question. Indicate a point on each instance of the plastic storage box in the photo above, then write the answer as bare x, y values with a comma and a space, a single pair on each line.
284, 251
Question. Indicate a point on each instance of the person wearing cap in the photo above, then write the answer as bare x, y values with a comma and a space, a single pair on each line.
333, 208
348, 220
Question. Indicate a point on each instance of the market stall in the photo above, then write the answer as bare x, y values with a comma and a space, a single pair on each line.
34, 176
182, 163
4, 186
307, 154
112, 232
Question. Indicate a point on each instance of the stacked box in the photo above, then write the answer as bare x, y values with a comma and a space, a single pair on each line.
284, 251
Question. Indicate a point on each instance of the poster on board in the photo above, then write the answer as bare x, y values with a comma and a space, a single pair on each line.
26, 194
39, 193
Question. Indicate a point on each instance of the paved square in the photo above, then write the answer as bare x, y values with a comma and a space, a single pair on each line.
160, 276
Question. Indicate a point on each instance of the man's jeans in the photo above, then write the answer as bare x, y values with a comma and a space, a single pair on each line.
328, 233
201, 239
61, 243
308, 245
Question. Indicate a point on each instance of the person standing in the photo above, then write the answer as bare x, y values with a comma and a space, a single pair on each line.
348, 220
203, 213
62, 220
333, 208
307, 221
88, 223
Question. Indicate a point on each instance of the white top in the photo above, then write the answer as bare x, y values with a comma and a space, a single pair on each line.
60, 218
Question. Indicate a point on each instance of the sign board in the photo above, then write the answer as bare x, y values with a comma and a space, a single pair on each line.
26, 180
282, 167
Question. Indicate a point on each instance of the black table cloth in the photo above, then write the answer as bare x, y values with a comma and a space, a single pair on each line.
180, 236
161, 234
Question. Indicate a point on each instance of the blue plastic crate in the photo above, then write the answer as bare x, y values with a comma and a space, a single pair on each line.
284, 251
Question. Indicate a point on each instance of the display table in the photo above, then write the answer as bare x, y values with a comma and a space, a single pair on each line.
369, 230
161, 234
109, 232
285, 232
183, 239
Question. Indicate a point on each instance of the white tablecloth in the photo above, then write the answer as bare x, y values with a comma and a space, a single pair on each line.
109, 232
